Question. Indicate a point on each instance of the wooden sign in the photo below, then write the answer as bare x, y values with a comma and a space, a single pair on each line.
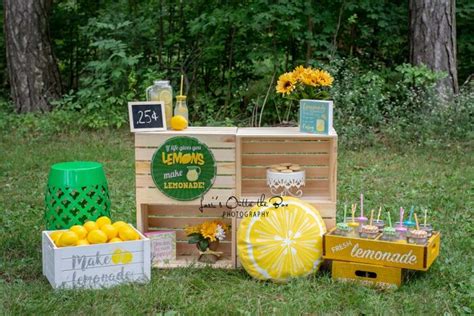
147, 116
183, 168
316, 116
163, 245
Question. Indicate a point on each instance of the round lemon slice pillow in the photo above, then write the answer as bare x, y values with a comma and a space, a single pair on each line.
282, 240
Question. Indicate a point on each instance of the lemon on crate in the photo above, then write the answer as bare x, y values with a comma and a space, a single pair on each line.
116, 239
90, 226
110, 231
67, 239
79, 230
103, 220
119, 224
82, 242
178, 123
55, 235
128, 233
97, 237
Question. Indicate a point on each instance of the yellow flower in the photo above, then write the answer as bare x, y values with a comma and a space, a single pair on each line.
307, 76
298, 72
192, 229
286, 83
208, 230
322, 78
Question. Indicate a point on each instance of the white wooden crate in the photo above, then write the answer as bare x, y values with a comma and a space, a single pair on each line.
94, 266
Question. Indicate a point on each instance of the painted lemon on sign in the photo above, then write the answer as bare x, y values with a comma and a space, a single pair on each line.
121, 256
282, 242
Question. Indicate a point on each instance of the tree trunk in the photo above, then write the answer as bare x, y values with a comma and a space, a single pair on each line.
33, 72
433, 39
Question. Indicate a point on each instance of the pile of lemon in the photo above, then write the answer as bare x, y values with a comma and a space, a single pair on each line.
100, 231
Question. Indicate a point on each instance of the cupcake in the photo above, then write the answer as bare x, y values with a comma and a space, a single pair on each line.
342, 229
389, 234
418, 237
369, 231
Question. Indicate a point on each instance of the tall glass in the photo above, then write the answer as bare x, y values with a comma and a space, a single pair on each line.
161, 90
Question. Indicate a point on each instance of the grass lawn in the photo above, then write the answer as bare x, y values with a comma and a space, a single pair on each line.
440, 179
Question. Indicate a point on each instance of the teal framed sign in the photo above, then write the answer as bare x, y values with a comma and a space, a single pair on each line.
183, 168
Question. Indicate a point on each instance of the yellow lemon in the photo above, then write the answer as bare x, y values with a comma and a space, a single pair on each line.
90, 226
127, 257
110, 231
128, 233
117, 256
67, 239
79, 230
97, 237
82, 242
101, 221
116, 239
178, 123
55, 236
285, 243
119, 224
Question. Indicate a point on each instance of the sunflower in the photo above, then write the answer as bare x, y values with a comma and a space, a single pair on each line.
299, 70
192, 229
286, 83
307, 77
208, 230
322, 78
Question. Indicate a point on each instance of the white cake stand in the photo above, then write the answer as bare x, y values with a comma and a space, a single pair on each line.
290, 183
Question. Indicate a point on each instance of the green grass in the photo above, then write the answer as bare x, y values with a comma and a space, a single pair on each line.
440, 179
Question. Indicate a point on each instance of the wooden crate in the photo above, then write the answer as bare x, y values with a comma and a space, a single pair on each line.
368, 274
155, 211
242, 156
317, 154
94, 266
382, 253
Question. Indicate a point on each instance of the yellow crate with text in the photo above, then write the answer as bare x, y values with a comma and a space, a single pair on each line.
368, 274
383, 253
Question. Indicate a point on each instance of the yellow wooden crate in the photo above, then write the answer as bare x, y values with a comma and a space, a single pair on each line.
382, 253
368, 274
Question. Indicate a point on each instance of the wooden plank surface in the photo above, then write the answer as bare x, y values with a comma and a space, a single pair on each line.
225, 262
212, 141
266, 160
259, 172
227, 154
194, 130
146, 181
223, 168
280, 132
285, 147
154, 196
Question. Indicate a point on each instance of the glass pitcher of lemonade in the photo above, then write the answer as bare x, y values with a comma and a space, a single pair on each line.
161, 90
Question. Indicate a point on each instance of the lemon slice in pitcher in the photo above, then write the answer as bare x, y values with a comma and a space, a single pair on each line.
165, 96
283, 242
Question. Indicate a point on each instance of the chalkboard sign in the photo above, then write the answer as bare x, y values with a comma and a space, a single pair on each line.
147, 116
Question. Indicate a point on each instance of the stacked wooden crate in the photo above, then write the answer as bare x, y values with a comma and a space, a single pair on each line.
242, 156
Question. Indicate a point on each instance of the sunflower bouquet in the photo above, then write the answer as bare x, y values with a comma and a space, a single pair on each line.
206, 233
305, 83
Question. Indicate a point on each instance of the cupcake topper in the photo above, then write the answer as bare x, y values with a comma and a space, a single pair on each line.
412, 209
416, 221
353, 212
371, 217
389, 219
378, 215
345, 212
402, 211
426, 215
362, 205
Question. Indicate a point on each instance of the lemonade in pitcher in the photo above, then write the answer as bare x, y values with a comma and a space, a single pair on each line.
161, 90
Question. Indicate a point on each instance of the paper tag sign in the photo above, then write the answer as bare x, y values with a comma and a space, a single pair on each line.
316, 116
183, 168
147, 116
163, 245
